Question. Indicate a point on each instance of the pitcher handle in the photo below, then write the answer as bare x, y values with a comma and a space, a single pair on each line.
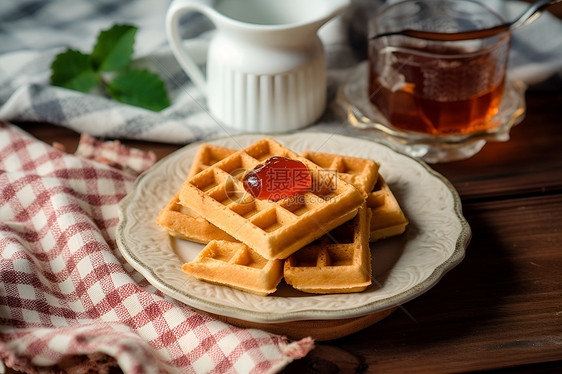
186, 61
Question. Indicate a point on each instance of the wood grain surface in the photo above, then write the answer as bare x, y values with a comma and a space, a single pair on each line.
500, 310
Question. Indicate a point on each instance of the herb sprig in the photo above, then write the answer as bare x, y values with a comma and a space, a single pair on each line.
109, 65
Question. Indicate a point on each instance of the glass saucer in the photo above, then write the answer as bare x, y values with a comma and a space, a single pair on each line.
361, 114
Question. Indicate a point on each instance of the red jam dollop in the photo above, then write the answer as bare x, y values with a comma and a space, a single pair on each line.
277, 178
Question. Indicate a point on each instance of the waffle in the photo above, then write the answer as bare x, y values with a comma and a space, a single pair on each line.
360, 172
273, 229
339, 262
236, 265
208, 155
387, 218
184, 223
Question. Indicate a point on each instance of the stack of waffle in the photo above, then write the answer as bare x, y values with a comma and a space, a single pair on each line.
318, 241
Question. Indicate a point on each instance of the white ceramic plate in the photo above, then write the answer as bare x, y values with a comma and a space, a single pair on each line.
403, 267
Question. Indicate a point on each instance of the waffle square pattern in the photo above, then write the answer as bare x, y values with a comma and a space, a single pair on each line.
274, 229
185, 223
339, 262
359, 172
236, 265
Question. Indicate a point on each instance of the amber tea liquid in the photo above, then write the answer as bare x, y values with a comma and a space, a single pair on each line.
417, 91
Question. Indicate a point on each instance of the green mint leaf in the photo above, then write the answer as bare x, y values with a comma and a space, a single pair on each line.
73, 69
140, 88
114, 48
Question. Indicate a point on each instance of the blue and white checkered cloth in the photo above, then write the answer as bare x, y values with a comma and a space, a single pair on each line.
33, 32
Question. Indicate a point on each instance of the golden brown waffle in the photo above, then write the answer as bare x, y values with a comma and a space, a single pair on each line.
387, 218
339, 262
185, 223
236, 265
273, 229
360, 172
207, 155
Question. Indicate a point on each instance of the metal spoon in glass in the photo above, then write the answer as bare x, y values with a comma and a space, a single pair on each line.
527, 16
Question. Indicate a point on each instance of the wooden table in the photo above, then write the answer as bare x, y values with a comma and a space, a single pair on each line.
502, 306
500, 310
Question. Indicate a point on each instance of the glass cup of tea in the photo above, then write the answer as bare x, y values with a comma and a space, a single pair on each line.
437, 87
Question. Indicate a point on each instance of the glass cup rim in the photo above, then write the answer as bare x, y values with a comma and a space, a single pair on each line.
382, 12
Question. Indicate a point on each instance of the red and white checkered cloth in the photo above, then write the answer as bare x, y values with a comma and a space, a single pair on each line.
68, 299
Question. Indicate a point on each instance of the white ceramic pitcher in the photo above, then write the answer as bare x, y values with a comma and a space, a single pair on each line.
266, 68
